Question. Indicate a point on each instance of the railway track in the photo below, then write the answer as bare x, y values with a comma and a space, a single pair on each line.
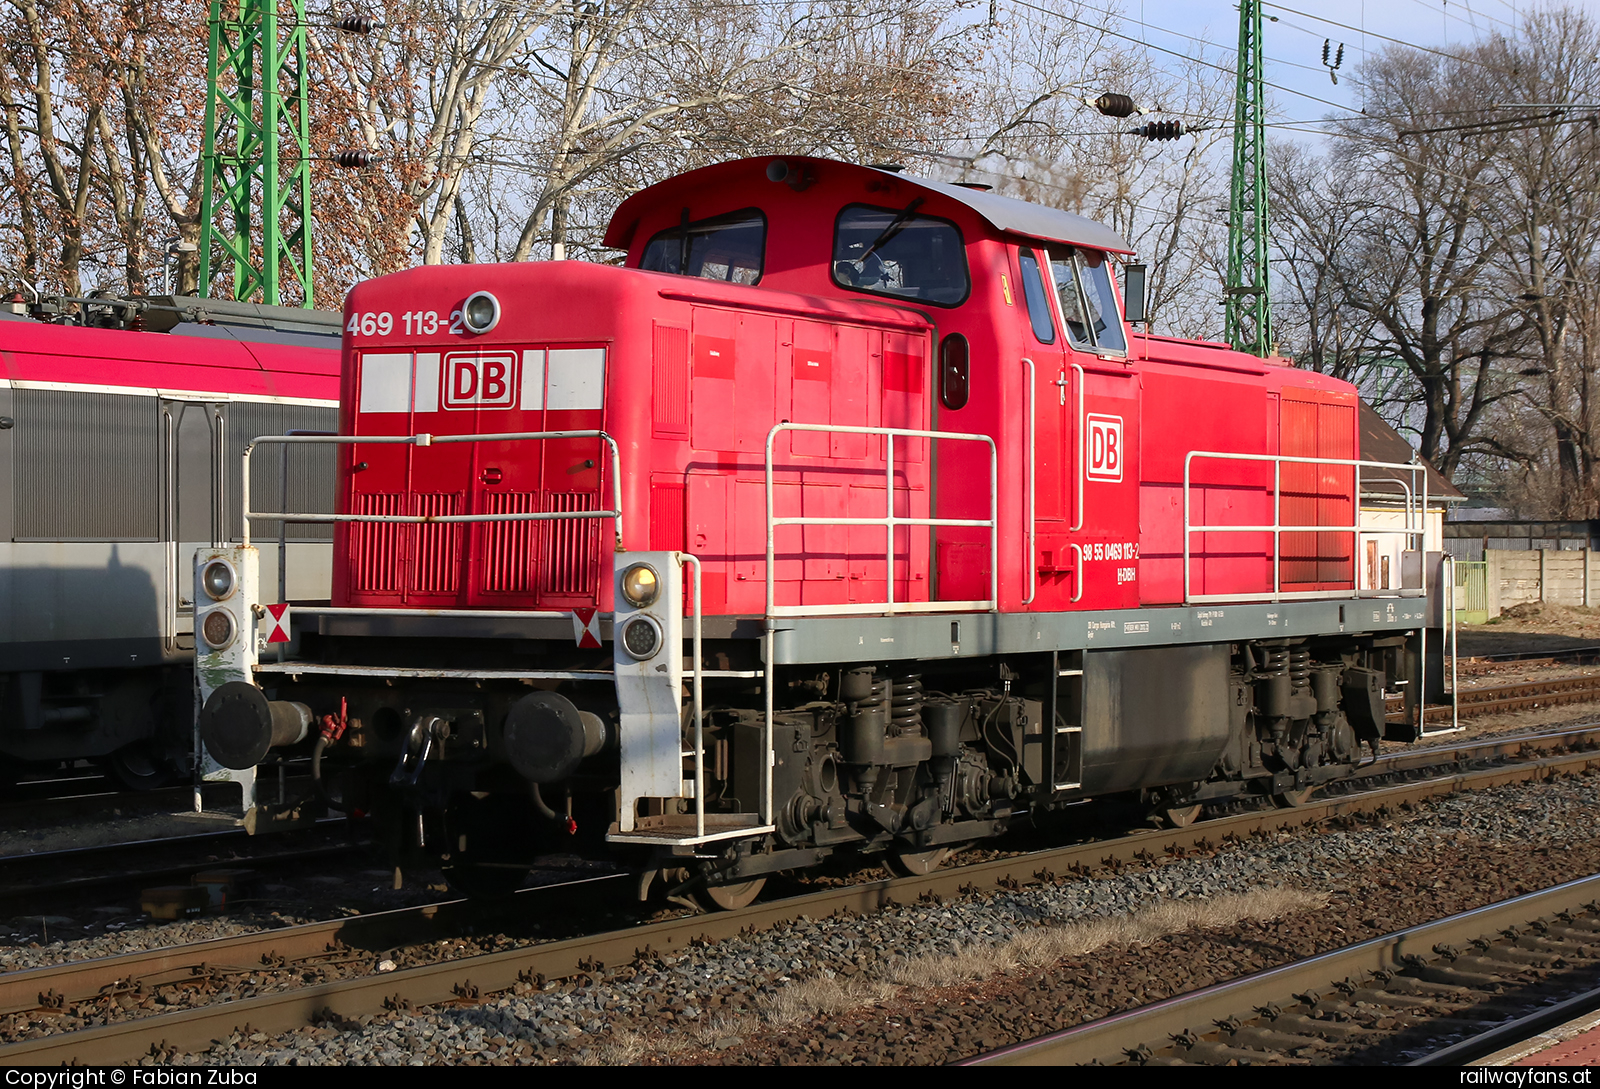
92, 989
1523, 696
1531, 694
1442, 994
27, 879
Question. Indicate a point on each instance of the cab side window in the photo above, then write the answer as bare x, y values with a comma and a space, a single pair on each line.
1033, 296
1088, 304
727, 247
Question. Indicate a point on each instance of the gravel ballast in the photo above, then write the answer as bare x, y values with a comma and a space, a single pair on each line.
722, 1003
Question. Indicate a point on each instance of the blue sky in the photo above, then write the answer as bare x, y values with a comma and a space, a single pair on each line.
1293, 44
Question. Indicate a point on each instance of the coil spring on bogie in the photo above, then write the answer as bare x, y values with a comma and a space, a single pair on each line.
906, 703
879, 697
1274, 662
1300, 667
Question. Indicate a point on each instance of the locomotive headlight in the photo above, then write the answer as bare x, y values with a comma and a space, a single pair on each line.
218, 629
481, 312
641, 637
218, 580
641, 585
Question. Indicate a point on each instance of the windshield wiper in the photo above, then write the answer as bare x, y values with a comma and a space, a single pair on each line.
896, 225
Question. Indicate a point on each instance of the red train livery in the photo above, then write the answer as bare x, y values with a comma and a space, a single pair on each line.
961, 546
120, 426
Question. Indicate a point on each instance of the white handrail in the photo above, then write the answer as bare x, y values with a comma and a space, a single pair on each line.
1030, 559
1416, 503
425, 439
699, 733
889, 523
1083, 453
1447, 578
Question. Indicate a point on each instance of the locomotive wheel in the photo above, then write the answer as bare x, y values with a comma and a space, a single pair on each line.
1181, 816
916, 863
1293, 799
730, 897
137, 767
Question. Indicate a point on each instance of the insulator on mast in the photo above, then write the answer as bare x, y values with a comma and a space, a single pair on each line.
1115, 105
356, 24
355, 160
1160, 130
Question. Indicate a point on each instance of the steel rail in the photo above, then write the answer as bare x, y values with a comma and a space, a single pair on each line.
81, 980
136, 864
1110, 1039
84, 979
192, 1029
1516, 745
1512, 1032
1512, 697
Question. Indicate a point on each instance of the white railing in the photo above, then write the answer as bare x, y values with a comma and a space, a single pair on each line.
889, 522
685, 558
1414, 530
425, 439
1447, 577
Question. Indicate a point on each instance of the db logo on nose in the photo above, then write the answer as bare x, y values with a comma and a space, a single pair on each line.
480, 379
1105, 448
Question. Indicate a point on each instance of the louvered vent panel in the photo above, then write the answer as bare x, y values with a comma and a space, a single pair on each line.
88, 466
510, 547
670, 392
438, 564
571, 560
376, 554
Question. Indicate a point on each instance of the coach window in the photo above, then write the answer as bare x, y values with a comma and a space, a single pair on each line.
1038, 303
728, 247
896, 252
1088, 304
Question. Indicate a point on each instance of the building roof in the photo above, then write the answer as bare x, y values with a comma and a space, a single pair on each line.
1380, 442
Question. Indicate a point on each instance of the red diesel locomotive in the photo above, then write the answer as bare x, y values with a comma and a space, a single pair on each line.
848, 514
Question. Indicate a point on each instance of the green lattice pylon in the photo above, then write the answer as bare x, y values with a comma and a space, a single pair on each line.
255, 203
1249, 317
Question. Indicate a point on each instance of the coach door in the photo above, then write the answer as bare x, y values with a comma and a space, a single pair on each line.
194, 500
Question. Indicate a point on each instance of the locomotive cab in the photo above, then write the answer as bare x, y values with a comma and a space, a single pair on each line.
849, 515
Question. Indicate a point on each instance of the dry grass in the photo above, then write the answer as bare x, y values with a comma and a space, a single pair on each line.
1036, 948
623, 1048
1039, 947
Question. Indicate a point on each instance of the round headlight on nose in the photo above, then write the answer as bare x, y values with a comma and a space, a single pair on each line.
641, 638
481, 312
641, 585
218, 629
218, 580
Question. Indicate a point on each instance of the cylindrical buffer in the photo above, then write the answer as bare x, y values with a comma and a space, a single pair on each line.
238, 724
546, 737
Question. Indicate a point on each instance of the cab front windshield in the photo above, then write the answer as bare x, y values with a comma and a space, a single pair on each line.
729, 247
896, 252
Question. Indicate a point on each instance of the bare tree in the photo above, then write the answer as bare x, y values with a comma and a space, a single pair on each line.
1033, 133
418, 92
1545, 208
1393, 214
630, 92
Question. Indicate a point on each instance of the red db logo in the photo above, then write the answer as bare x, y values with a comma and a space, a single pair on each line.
1105, 448
480, 380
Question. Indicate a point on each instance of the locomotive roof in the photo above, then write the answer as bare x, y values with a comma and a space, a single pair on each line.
1002, 213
